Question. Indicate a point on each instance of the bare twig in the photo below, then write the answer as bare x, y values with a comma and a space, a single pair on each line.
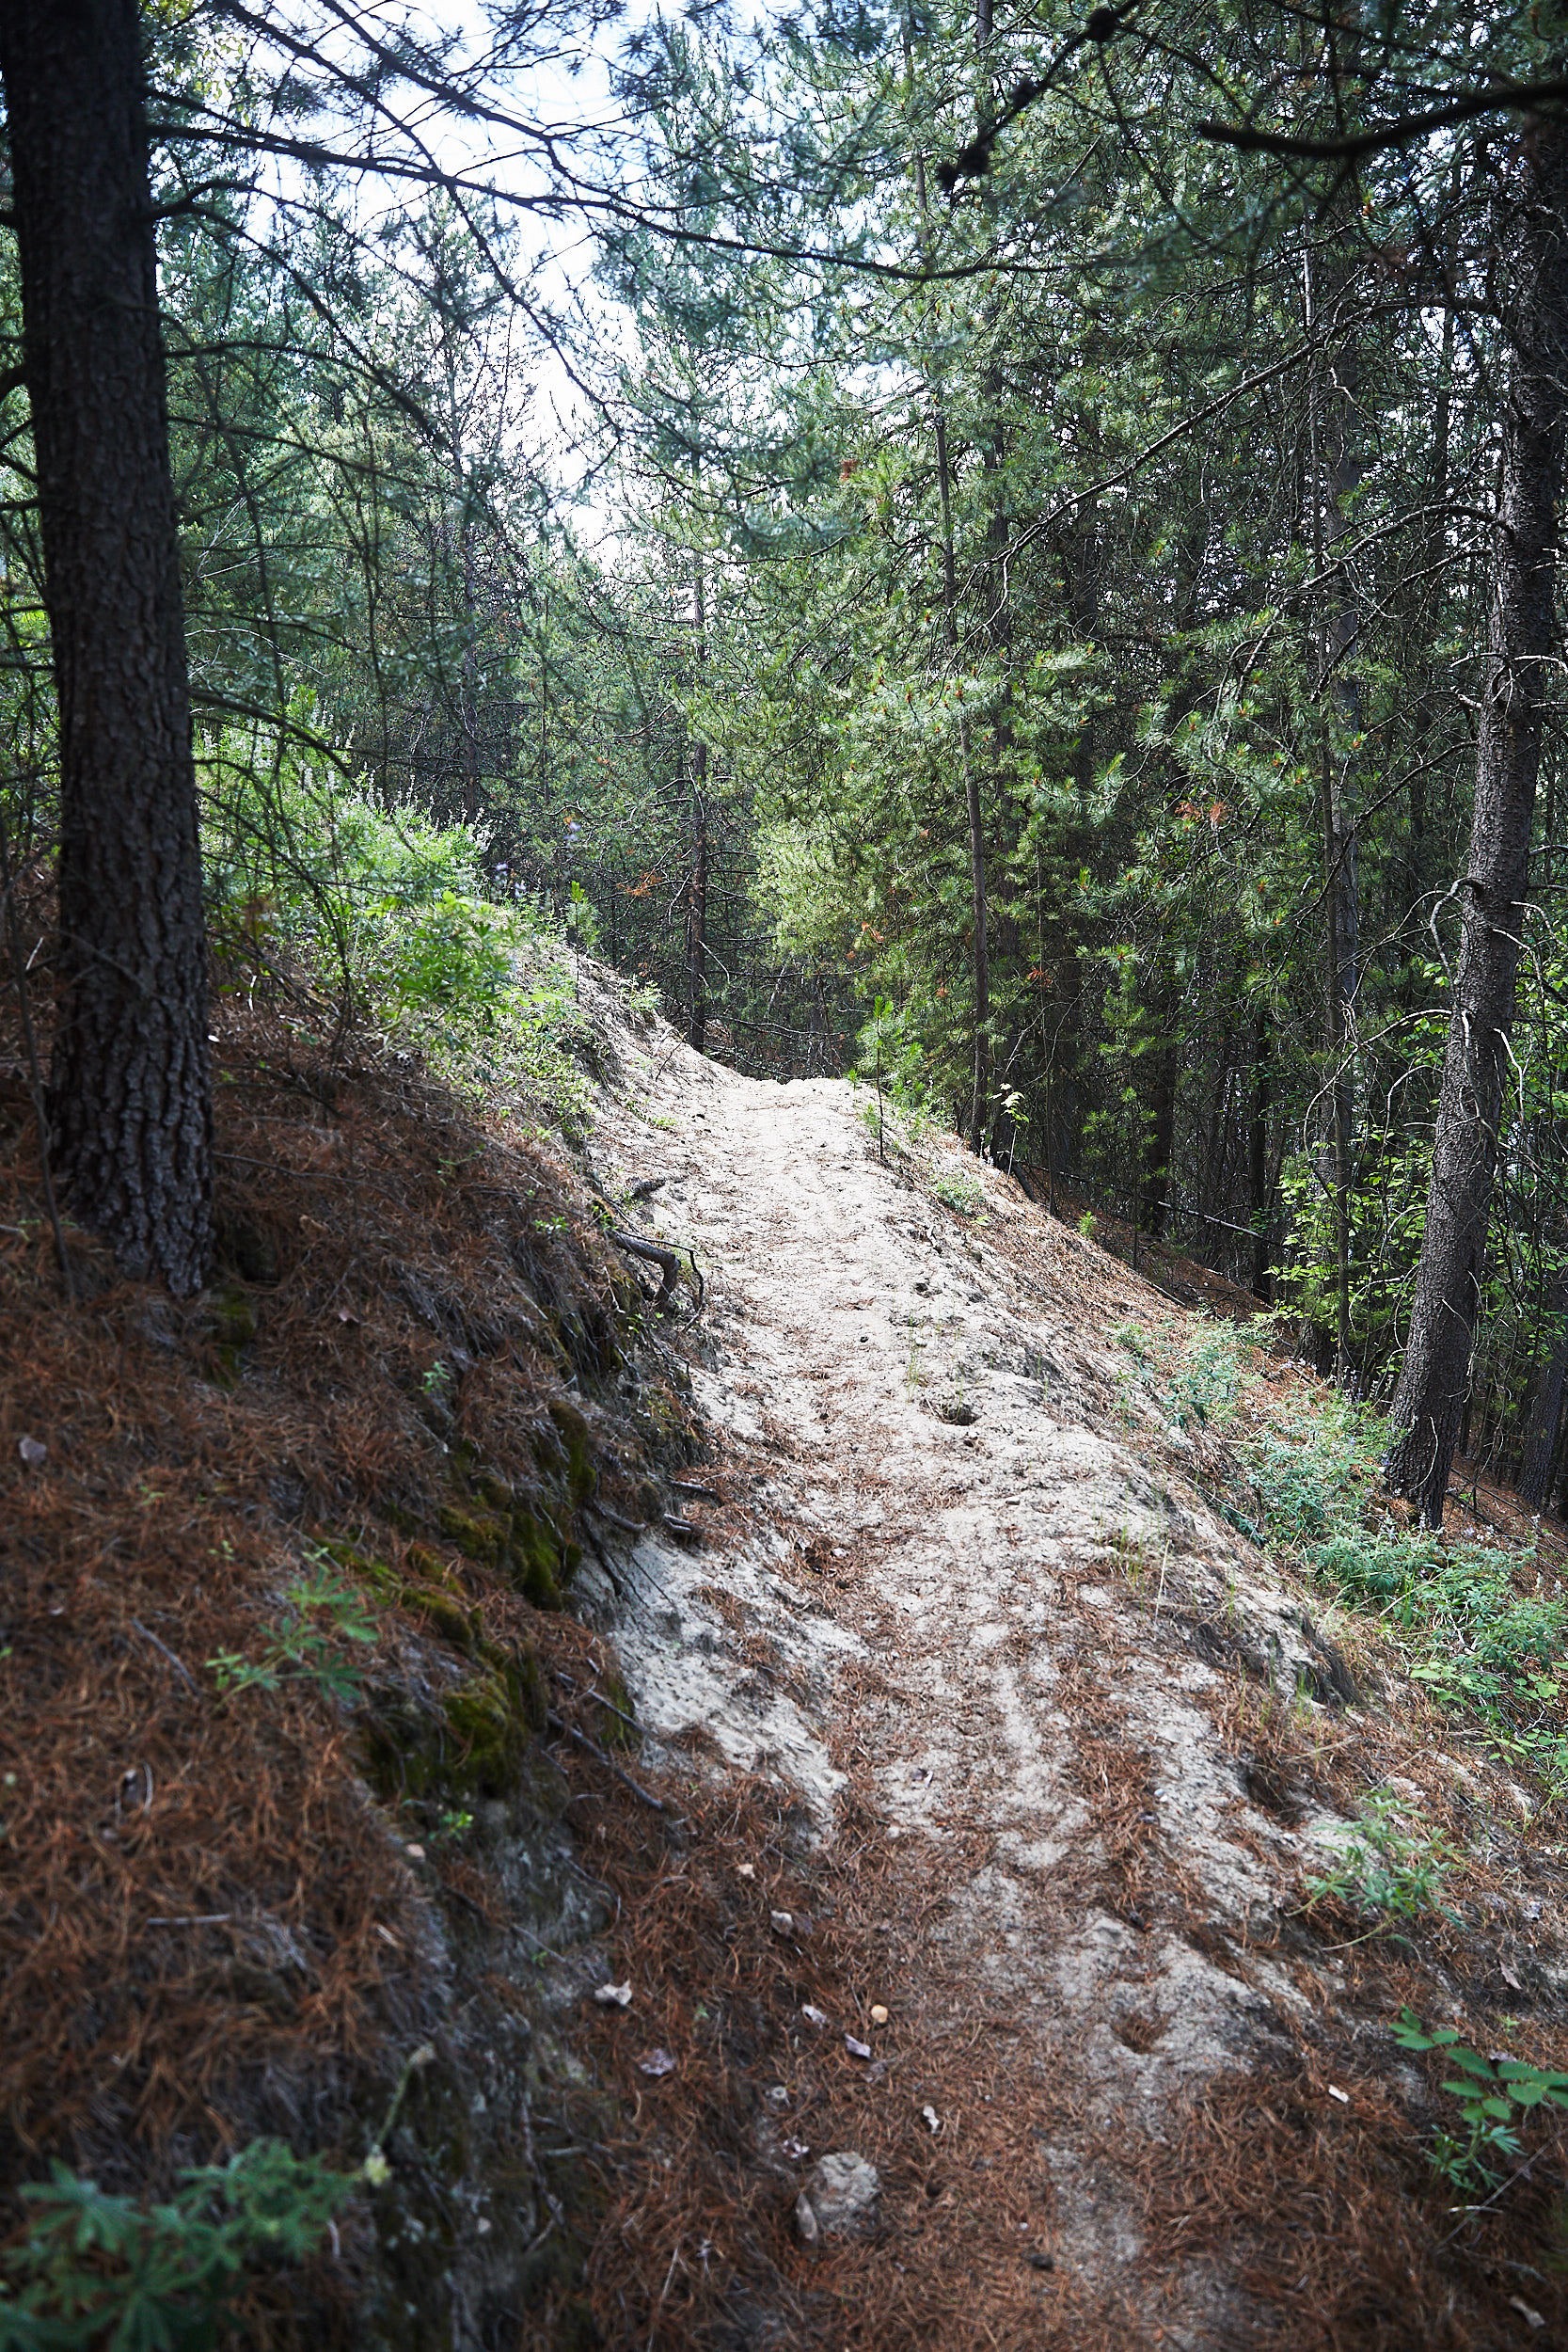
178, 1663
570, 1731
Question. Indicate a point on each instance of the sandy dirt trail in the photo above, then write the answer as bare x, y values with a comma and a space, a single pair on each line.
981, 1591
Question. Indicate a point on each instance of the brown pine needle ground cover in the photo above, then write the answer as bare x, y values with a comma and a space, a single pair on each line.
363, 1465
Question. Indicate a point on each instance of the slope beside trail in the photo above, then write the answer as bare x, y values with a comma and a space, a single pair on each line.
1065, 1747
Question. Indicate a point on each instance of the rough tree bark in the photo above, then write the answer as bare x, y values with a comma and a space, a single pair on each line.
1435, 1372
129, 1084
1336, 473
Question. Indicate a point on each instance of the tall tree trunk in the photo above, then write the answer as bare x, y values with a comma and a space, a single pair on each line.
1335, 472
1535, 1467
696, 907
1434, 1377
1258, 1155
980, 1098
130, 1092
1158, 1140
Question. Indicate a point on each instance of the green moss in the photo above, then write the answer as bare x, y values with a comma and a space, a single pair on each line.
489, 1718
428, 1590
379, 1575
480, 1535
475, 1744
426, 1566
615, 1732
582, 1476
542, 1560
443, 1609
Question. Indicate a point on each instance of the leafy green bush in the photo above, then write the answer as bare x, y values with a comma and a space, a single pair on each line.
1206, 1384
1467, 1632
1312, 1476
97, 2273
1488, 2090
452, 956
960, 1193
387, 916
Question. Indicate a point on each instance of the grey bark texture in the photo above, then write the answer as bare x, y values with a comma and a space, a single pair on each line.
130, 1083
1434, 1377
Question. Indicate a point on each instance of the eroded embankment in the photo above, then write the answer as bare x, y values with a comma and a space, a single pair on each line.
1068, 1747
291, 1716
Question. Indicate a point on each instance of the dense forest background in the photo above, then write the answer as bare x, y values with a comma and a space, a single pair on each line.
903, 539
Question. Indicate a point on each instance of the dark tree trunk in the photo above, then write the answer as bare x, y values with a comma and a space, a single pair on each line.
1258, 1156
979, 1106
129, 1088
1535, 1469
1435, 1378
1335, 471
979, 1103
1160, 1138
696, 909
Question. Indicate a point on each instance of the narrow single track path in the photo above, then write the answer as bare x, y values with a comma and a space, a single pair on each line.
971, 1596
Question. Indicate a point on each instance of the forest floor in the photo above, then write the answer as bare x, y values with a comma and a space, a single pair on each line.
605, 1762
1054, 1750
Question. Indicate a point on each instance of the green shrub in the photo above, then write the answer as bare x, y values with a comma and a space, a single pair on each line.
325, 1609
1207, 1385
1466, 1631
387, 916
960, 1193
1488, 2090
1385, 1869
107, 2274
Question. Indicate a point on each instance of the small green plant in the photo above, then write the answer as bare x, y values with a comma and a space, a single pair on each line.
453, 1823
1386, 1869
326, 1609
1489, 2090
97, 2273
961, 1193
1134, 1339
1208, 1384
1089, 1225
